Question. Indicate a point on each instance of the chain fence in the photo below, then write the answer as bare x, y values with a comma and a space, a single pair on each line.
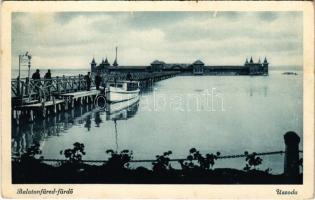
171, 160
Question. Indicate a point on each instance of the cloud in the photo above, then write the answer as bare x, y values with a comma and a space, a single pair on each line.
64, 39
267, 16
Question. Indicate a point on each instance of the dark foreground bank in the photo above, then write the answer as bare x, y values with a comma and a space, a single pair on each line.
196, 168
67, 173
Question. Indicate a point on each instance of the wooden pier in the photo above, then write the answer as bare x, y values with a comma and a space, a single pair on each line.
65, 102
24, 134
39, 98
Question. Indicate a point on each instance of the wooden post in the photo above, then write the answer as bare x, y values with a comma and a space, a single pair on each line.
22, 91
86, 100
59, 116
79, 83
31, 119
57, 84
43, 109
27, 86
18, 117
54, 105
64, 84
291, 159
14, 114
71, 83
81, 101
72, 102
66, 104
40, 93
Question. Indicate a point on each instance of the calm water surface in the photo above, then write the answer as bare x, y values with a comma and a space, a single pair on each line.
229, 114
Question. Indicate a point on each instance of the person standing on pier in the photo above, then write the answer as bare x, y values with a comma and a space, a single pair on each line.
48, 81
129, 76
88, 81
98, 80
48, 74
36, 79
36, 75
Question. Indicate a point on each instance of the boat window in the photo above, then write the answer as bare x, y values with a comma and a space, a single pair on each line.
132, 86
112, 85
119, 85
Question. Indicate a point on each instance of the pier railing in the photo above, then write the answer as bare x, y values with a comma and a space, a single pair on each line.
25, 88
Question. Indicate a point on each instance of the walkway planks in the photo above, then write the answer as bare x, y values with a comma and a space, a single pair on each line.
39, 105
76, 95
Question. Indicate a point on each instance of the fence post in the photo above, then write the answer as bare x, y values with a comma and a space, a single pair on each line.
57, 85
27, 86
31, 119
291, 159
43, 108
64, 83
22, 89
66, 104
78, 84
54, 104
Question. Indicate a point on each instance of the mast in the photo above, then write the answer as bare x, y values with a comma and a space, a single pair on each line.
116, 53
115, 62
116, 136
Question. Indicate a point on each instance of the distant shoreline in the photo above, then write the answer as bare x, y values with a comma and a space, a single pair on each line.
271, 68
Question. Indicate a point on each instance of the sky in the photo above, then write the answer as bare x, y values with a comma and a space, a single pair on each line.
71, 39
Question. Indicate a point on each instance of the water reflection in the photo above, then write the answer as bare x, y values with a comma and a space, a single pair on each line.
259, 91
25, 134
121, 111
97, 119
88, 123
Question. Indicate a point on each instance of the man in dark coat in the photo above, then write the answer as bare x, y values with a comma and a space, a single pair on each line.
98, 80
129, 76
48, 75
36, 82
48, 82
88, 81
36, 75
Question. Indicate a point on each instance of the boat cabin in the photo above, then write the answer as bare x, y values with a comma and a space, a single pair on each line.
124, 85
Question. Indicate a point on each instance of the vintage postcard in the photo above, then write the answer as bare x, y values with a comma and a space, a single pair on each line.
157, 100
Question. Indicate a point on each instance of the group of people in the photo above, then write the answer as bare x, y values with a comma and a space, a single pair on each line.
36, 75
98, 78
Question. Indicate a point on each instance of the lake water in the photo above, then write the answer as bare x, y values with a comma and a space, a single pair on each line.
229, 114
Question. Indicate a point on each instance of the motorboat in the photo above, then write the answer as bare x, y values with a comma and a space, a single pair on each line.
121, 91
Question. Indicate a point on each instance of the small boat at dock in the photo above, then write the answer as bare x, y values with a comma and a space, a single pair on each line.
121, 91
